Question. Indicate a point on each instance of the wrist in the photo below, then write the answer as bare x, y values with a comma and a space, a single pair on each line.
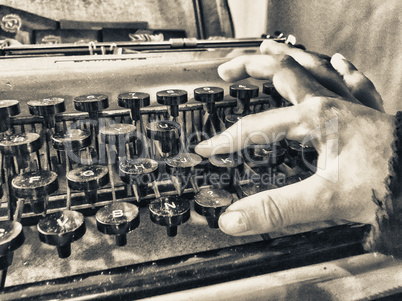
386, 234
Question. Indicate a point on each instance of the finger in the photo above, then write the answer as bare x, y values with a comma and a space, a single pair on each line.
274, 125
274, 209
290, 79
360, 86
318, 65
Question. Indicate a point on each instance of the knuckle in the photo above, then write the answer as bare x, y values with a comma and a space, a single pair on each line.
272, 213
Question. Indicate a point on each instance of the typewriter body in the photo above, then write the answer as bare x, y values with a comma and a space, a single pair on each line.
108, 233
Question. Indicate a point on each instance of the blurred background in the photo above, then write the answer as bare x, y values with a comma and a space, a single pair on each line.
367, 32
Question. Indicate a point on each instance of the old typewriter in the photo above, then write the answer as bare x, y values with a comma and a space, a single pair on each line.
103, 196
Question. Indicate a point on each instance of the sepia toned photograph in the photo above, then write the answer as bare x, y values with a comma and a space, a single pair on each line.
200, 150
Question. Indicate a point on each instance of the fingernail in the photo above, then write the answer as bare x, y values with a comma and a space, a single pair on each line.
233, 222
338, 56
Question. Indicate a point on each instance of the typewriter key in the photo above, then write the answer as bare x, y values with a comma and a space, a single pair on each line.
20, 145
172, 98
11, 238
92, 103
169, 212
8, 108
211, 203
243, 93
270, 155
209, 96
36, 187
212, 124
138, 173
181, 167
118, 218
60, 229
303, 153
134, 101
182, 164
118, 133
46, 107
120, 136
167, 133
269, 89
88, 178
225, 169
71, 140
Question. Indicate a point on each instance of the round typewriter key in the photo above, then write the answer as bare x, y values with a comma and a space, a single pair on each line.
225, 169
271, 155
91, 103
72, 139
46, 106
60, 229
182, 164
169, 212
9, 107
167, 133
139, 172
243, 93
118, 219
36, 186
209, 95
134, 101
20, 144
304, 152
118, 133
11, 238
88, 178
172, 98
269, 89
211, 203
226, 160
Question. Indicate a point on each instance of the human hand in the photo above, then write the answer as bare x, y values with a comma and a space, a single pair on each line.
338, 110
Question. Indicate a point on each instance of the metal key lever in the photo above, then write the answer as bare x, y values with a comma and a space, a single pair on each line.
138, 173
243, 94
211, 124
117, 218
181, 167
93, 104
47, 108
135, 101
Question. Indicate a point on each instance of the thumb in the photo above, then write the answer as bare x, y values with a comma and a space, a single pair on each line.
274, 209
